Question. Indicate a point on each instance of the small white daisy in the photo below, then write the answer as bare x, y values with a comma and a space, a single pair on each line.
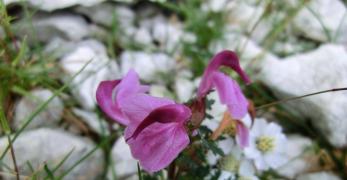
266, 145
236, 166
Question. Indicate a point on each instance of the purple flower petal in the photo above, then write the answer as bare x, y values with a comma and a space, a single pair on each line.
137, 107
111, 94
224, 58
173, 113
242, 134
230, 94
158, 146
130, 85
104, 98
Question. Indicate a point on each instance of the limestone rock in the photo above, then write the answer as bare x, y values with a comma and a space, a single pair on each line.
322, 69
49, 117
321, 19
49, 146
149, 66
100, 68
124, 164
318, 176
45, 27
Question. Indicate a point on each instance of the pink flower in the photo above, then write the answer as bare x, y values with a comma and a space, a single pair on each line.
111, 94
229, 91
155, 127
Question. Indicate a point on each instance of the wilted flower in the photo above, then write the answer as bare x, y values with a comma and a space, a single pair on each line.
155, 127
266, 146
228, 90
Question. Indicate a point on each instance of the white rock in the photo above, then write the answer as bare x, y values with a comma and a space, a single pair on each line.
66, 26
167, 35
245, 15
184, 88
48, 5
160, 91
48, 146
215, 6
318, 176
93, 121
321, 69
149, 66
123, 163
49, 117
108, 14
100, 68
330, 13
142, 37
298, 153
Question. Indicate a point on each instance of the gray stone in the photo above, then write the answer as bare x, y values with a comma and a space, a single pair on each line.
93, 121
184, 86
49, 146
149, 66
124, 165
48, 5
108, 14
45, 27
322, 69
318, 176
49, 117
158, 90
100, 68
328, 13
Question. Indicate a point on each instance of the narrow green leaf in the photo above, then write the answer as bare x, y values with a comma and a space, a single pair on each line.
41, 108
49, 172
139, 173
21, 53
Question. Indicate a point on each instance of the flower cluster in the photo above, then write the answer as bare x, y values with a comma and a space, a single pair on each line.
158, 129
266, 150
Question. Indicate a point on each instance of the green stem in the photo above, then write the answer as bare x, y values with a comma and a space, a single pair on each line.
299, 97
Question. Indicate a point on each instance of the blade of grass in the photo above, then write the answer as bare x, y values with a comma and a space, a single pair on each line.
49, 172
299, 97
6, 128
21, 53
338, 31
41, 107
62, 161
319, 19
103, 143
139, 173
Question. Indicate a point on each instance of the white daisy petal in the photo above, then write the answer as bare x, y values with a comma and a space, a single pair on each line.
246, 168
275, 160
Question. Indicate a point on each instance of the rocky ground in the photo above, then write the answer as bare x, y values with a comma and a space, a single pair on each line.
63, 49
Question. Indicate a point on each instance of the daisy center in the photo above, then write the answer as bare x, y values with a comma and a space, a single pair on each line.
265, 144
230, 163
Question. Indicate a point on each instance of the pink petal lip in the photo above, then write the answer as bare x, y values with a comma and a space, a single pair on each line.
156, 133
172, 113
158, 145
